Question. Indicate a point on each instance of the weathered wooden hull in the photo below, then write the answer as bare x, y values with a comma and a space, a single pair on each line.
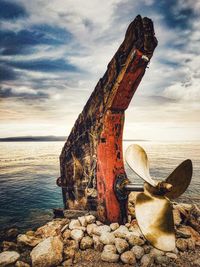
92, 156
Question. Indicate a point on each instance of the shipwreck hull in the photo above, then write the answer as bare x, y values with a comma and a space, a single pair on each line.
92, 156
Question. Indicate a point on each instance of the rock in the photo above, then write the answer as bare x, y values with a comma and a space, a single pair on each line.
52, 228
99, 230
138, 251
110, 248
7, 245
98, 223
47, 253
147, 249
12, 233
70, 245
128, 257
196, 262
90, 228
74, 224
171, 255
134, 240
82, 221
86, 242
30, 233
8, 257
132, 197
127, 224
114, 226
67, 263
97, 244
66, 234
90, 218
191, 244
21, 264
121, 232
131, 210
77, 234
177, 217
156, 252
134, 228
163, 260
107, 238
28, 240
69, 253
181, 244
109, 257
147, 260
190, 231
64, 228
121, 245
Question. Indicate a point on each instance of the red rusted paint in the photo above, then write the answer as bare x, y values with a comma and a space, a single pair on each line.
109, 150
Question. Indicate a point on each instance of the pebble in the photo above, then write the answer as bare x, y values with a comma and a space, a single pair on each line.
114, 226
8, 257
74, 224
82, 221
156, 252
121, 245
191, 244
181, 244
107, 238
28, 240
66, 234
147, 260
90, 228
99, 230
134, 240
6, 245
90, 218
162, 260
77, 234
110, 248
67, 263
171, 255
121, 232
21, 264
97, 244
128, 257
138, 251
86, 242
109, 257
68, 253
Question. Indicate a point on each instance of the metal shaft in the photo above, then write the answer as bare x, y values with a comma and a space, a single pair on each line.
134, 187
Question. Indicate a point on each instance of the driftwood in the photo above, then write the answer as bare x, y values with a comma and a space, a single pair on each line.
92, 155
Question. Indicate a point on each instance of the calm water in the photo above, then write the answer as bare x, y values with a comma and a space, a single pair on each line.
28, 171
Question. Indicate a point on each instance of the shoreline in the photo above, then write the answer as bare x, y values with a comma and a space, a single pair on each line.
82, 240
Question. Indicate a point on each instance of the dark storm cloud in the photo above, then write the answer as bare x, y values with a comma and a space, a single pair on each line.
11, 11
7, 73
43, 65
10, 93
23, 41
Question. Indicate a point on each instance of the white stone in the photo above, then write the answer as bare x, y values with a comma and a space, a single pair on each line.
52, 228
107, 238
82, 221
8, 257
77, 234
90, 218
109, 257
171, 255
74, 224
47, 253
138, 251
97, 244
121, 232
128, 257
99, 230
110, 248
114, 226
90, 228
121, 245
156, 252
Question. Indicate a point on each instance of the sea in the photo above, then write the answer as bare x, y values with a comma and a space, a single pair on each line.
28, 173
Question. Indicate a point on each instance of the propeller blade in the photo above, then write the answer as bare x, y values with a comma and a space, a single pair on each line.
137, 160
180, 179
155, 219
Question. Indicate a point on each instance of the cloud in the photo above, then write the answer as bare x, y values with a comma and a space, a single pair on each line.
11, 11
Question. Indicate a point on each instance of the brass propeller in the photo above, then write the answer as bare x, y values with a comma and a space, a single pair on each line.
153, 208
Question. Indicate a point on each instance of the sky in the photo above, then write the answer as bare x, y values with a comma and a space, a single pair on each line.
52, 54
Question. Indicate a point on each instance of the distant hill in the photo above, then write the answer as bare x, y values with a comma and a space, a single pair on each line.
33, 138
